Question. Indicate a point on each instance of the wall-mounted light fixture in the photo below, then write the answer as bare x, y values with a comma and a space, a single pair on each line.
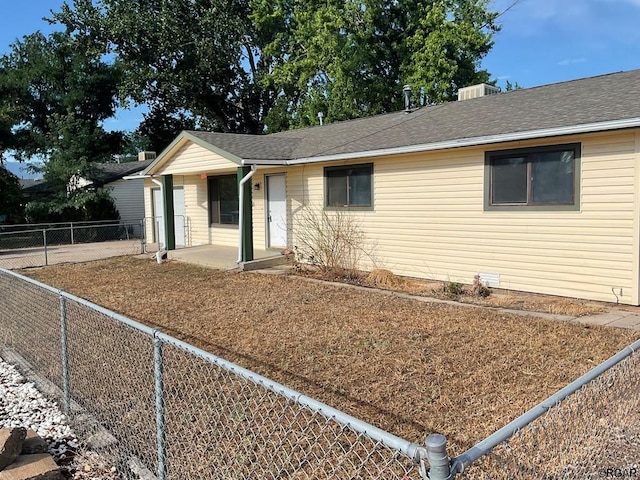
256, 186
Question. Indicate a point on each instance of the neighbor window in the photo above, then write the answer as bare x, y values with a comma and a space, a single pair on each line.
348, 186
536, 177
223, 200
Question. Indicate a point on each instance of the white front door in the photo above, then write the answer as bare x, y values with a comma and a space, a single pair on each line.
179, 217
276, 210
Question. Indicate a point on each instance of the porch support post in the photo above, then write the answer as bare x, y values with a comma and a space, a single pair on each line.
169, 220
246, 225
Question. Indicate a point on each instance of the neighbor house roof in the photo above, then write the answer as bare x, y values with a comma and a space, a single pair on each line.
592, 104
110, 172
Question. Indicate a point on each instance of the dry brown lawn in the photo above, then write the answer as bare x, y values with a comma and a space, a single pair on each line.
409, 367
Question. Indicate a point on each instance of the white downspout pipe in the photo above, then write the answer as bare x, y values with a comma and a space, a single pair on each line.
156, 223
244, 180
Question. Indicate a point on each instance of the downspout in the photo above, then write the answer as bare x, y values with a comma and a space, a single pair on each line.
156, 227
245, 179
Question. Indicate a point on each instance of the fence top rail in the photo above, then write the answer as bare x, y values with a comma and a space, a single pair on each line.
485, 446
115, 316
76, 227
411, 450
41, 225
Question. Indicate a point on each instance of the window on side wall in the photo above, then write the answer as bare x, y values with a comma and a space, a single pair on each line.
542, 178
348, 186
223, 200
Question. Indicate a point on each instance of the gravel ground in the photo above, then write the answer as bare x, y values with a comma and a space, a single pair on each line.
22, 405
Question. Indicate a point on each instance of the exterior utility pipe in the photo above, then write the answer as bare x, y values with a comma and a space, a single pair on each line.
241, 219
157, 224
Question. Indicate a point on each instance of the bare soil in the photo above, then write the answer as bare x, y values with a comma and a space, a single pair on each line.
409, 367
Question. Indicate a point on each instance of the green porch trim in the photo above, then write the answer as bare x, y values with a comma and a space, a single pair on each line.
169, 221
247, 216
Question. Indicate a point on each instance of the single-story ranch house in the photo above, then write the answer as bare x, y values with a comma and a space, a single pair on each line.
536, 189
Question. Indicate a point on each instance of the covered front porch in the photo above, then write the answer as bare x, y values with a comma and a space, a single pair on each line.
224, 257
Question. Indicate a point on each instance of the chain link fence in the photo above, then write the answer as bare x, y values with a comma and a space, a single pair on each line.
72, 242
593, 433
160, 408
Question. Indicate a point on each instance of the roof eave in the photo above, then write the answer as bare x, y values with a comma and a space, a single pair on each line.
249, 161
476, 141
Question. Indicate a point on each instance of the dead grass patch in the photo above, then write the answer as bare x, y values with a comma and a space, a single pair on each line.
474, 294
409, 367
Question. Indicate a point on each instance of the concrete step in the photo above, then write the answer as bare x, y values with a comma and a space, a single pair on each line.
37, 466
23, 456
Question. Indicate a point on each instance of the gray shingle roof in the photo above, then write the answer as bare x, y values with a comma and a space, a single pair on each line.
586, 101
110, 172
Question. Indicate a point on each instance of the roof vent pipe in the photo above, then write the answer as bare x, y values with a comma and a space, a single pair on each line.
407, 98
320, 117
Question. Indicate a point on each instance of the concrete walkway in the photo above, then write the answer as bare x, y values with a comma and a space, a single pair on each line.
620, 317
612, 318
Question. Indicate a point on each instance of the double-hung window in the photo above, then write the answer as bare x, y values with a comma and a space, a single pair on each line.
536, 178
223, 200
348, 186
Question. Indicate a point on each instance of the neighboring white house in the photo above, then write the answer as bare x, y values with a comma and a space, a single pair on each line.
128, 195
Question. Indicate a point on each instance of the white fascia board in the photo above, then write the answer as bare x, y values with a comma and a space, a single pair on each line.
137, 177
475, 141
265, 162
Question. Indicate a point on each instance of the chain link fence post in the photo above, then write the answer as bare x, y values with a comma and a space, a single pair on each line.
439, 467
65, 355
71, 233
159, 391
44, 241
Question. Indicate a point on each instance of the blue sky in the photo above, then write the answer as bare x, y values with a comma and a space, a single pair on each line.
548, 41
541, 42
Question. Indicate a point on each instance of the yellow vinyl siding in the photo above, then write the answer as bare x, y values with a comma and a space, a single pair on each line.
196, 210
259, 215
193, 158
429, 221
196, 199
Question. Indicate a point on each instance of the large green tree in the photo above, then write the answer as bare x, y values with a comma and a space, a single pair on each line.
10, 196
351, 58
266, 65
193, 63
57, 92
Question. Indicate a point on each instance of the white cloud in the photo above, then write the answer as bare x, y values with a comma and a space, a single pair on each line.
571, 61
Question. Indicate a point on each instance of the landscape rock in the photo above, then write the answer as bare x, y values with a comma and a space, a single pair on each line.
33, 443
39, 466
11, 440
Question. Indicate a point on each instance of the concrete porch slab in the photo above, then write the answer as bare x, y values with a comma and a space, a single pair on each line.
221, 257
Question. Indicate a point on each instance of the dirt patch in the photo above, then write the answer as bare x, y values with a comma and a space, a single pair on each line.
405, 366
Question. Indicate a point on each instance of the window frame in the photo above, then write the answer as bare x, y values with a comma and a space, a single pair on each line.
212, 223
528, 153
337, 168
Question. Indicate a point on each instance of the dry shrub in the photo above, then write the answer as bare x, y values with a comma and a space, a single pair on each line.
479, 289
380, 277
332, 241
450, 290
